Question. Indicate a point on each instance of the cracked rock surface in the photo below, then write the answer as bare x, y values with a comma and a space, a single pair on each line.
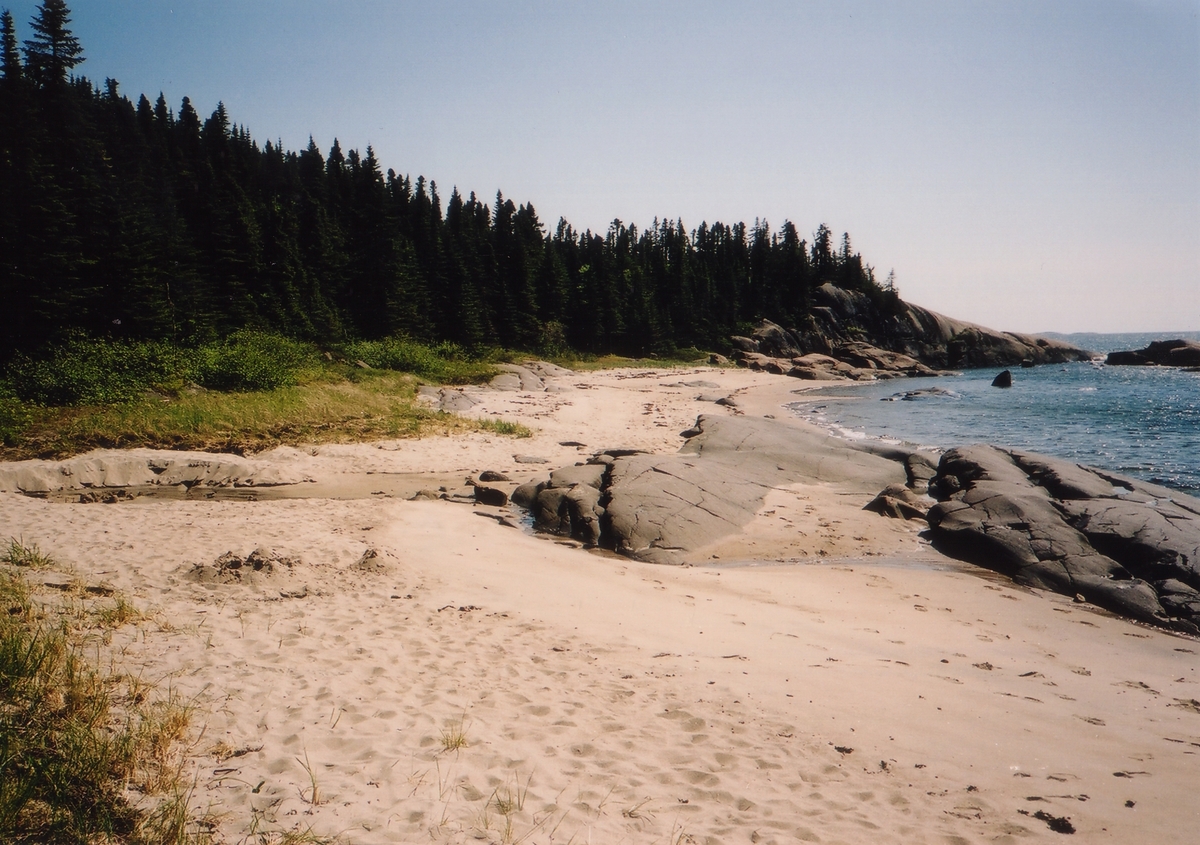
1122, 544
658, 508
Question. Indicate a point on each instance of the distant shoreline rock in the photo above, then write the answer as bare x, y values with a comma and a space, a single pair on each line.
1161, 353
847, 337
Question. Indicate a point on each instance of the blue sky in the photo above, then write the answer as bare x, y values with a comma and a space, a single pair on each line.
1026, 165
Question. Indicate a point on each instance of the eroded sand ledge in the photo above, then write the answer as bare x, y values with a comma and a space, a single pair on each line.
868, 690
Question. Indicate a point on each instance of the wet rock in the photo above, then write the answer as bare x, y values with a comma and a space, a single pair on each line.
492, 496
1003, 380
525, 495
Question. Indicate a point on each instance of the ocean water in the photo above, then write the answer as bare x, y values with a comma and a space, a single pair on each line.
1138, 421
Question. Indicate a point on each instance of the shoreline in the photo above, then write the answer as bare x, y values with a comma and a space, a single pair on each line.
1070, 444
839, 698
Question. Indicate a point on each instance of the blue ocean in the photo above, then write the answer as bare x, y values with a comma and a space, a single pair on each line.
1138, 421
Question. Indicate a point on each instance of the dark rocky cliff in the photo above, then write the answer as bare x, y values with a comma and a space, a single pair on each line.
906, 339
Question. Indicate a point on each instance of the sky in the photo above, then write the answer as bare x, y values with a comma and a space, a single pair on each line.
1030, 165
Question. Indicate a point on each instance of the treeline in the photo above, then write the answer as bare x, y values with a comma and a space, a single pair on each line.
130, 220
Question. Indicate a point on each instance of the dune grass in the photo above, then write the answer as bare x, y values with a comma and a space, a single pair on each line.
91, 756
373, 405
75, 742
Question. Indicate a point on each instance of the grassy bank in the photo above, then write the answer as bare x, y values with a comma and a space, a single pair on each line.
246, 394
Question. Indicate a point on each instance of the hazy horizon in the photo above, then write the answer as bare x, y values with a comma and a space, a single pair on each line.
1029, 166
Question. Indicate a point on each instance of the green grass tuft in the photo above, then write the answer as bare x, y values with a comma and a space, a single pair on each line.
29, 555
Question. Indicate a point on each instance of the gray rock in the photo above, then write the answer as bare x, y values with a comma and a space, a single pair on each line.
1167, 353
899, 502
1131, 547
776, 341
526, 494
490, 496
506, 381
660, 507
530, 459
590, 475
545, 370
847, 325
516, 377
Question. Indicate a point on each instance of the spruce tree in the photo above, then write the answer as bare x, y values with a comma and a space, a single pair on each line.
10, 59
54, 50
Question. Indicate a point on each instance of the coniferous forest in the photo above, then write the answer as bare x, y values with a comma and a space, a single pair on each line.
134, 219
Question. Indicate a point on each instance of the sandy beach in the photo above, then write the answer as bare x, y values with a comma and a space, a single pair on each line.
431, 671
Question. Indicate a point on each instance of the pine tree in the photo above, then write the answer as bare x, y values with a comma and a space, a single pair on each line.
53, 51
11, 58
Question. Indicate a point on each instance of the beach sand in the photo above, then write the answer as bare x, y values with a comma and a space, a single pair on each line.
420, 671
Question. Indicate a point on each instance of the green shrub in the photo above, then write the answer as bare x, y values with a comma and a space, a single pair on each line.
444, 362
15, 418
85, 371
252, 361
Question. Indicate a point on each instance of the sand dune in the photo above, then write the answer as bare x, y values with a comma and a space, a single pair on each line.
419, 672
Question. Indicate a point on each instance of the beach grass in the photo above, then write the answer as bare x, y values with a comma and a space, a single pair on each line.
373, 405
73, 738
247, 393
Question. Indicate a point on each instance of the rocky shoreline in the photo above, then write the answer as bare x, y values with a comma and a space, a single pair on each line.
849, 338
1123, 544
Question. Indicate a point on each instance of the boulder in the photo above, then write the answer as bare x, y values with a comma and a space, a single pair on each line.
1129, 546
515, 377
569, 503
526, 494
775, 341
899, 502
1003, 380
493, 496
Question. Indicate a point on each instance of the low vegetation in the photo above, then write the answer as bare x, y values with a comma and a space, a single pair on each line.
85, 756
92, 756
250, 392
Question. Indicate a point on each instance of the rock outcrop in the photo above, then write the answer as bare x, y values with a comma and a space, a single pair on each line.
530, 377
118, 470
659, 508
1164, 353
1122, 544
907, 340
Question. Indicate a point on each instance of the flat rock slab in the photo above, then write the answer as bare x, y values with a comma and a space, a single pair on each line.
117, 470
659, 508
1123, 544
